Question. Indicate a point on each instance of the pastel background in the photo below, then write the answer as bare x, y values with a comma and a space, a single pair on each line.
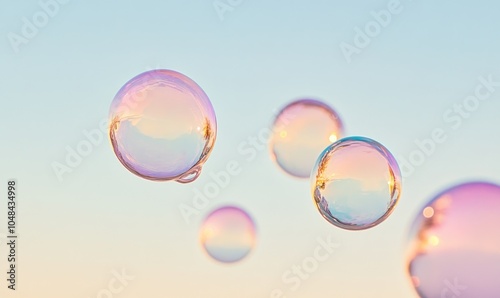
77, 231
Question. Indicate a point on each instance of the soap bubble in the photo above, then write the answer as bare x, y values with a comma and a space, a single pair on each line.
454, 243
301, 131
228, 234
356, 183
163, 126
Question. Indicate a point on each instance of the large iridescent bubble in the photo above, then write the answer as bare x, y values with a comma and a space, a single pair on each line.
228, 234
301, 130
356, 183
163, 126
454, 243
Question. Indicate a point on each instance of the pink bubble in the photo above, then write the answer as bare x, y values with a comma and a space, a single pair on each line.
454, 244
163, 126
301, 131
356, 183
228, 234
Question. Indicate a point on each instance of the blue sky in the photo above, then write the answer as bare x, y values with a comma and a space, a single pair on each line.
398, 89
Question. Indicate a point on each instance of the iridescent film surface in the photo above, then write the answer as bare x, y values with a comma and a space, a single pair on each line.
301, 131
163, 126
454, 243
356, 183
228, 234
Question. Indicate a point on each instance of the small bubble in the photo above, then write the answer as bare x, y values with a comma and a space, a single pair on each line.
228, 234
301, 130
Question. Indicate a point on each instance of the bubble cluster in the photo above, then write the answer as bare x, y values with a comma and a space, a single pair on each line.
228, 234
356, 183
301, 131
163, 126
454, 243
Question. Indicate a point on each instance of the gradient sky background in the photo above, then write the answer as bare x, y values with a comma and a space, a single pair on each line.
74, 233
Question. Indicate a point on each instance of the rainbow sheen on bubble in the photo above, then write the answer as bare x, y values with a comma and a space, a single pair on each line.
228, 234
163, 126
356, 183
454, 243
301, 131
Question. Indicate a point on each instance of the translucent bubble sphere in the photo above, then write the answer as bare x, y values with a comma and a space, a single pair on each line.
162, 126
454, 243
228, 234
301, 131
356, 183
